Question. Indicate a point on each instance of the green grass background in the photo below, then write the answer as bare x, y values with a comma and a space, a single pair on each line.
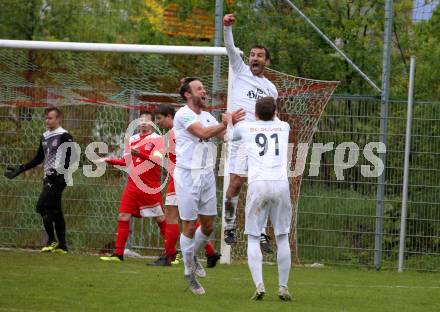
49, 282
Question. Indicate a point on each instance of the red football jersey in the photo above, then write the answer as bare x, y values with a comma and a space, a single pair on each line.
171, 152
145, 168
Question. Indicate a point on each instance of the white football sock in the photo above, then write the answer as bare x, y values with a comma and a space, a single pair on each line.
232, 215
187, 248
255, 259
200, 240
283, 259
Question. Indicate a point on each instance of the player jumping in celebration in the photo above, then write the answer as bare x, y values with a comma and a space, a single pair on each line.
248, 86
268, 195
142, 194
194, 174
164, 118
49, 202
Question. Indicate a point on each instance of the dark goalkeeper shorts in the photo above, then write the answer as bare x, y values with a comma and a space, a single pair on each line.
50, 197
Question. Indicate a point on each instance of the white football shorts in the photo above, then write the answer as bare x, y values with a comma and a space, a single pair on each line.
238, 158
196, 192
268, 199
171, 200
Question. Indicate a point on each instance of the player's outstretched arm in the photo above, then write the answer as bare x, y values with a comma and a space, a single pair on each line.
13, 171
233, 53
155, 156
205, 133
199, 131
115, 161
38, 159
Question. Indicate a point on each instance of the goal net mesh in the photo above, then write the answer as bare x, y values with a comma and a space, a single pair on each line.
99, 94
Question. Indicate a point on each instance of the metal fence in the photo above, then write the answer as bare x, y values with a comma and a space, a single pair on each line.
336, 218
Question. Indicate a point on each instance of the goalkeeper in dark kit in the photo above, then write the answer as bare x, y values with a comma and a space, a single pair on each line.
49, 202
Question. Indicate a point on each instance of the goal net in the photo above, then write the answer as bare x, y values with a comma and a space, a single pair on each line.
99, 93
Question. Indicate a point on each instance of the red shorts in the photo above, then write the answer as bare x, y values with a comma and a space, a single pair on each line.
171, 199
134, 200
170, 187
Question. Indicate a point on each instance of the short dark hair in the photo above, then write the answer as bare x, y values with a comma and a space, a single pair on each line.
52, 109
165, 110
184, 85
266, 50
265, 108
147, 113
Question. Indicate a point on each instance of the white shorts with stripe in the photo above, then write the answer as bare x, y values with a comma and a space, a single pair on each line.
171, 199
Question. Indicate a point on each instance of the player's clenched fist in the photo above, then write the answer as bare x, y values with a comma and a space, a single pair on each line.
228, 19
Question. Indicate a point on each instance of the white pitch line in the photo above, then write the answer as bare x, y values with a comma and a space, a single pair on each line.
367, 286
16, 310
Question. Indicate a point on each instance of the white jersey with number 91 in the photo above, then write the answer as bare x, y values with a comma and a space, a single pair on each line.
266, 144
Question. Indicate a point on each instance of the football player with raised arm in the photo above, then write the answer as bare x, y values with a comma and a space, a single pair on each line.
249, 85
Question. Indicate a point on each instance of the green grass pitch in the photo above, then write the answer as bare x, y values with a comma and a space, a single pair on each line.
31, 281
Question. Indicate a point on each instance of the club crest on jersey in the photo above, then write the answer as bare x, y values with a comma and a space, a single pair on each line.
148, 146
55, 143
255, 94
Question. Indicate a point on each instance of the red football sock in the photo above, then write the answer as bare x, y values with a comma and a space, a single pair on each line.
171, 237
122, 236
163, 227
209, 248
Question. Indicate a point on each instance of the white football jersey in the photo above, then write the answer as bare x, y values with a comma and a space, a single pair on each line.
266, 144
191, 151
246, 87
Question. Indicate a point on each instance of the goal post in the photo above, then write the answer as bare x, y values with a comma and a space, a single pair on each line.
101, 87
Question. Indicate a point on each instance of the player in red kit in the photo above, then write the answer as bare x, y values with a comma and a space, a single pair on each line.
142, 194
164, 118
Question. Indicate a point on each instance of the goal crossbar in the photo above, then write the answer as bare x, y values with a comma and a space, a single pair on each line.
110, 47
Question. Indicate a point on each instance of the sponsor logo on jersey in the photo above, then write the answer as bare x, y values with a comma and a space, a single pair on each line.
256, 94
